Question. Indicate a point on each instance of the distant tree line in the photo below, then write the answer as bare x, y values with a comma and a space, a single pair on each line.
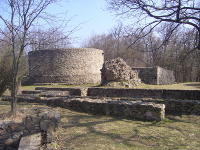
155, 49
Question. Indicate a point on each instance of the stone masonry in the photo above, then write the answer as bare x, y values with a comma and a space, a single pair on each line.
155, 75
138, 110
69, 66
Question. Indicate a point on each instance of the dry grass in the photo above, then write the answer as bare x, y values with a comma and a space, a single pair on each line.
81, 131
5, 114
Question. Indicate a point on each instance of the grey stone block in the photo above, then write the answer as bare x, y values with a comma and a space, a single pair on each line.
31, 142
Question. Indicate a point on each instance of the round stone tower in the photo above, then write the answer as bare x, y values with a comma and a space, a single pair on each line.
70, 66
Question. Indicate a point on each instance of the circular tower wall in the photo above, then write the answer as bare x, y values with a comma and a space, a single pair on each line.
70, 66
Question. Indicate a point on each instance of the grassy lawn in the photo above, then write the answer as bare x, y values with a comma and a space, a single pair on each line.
179, 86
81, 131
32, 87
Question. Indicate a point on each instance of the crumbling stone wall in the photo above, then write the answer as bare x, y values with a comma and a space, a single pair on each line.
138, 110
70, 66
155, 75
37, 120
116, 70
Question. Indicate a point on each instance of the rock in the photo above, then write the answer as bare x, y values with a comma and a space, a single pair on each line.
116, 70
35, 121
31, 142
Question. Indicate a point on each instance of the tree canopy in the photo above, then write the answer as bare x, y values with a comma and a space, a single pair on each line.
155, 12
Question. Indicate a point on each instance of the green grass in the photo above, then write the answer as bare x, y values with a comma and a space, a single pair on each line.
32, 87
179, 86
81, 131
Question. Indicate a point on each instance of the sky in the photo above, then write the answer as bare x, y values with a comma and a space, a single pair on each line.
91, 16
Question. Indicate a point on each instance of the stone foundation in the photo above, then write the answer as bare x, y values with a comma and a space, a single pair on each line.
124, 92
72, 91
146, 111
175, 101
145, 93
184, 107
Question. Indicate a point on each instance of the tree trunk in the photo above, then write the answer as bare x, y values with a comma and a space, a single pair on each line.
13, 95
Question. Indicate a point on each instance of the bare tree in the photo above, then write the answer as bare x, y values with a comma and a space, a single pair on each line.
154, 12
50, 38
21, 14
116, 44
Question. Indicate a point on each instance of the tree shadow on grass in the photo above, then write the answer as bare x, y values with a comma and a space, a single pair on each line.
93, 126
75, 120
184, 120
92, 129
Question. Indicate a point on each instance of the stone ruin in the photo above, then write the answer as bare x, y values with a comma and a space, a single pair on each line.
72, 66
137, 110
87, 66
76, 66
34, 131
83, 66
116, 72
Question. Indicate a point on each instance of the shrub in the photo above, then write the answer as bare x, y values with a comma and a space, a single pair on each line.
5, 73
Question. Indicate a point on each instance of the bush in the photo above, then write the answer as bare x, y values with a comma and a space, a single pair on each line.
5, 73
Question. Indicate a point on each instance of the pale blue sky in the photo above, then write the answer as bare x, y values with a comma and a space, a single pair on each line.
92, 16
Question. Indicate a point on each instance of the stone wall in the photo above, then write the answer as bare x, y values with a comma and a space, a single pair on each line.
72, 91
182, 107
123, 92
155, 75
70, 66
148, 75
138, 110
145, 93
165, 76
176, 102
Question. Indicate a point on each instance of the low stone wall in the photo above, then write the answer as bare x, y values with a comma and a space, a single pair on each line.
72, 91
146, 111
123, 92
145, 93
187, 101
176, 107
182, 107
